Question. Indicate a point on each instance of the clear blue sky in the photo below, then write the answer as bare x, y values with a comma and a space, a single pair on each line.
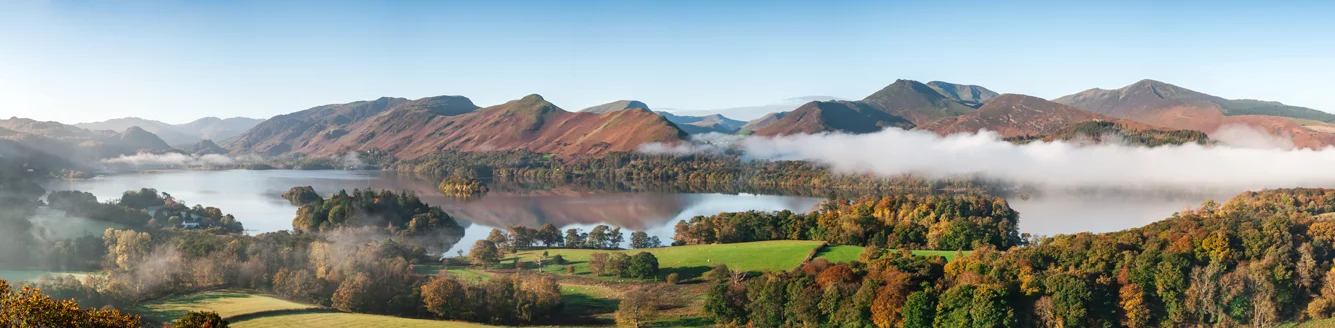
179, 60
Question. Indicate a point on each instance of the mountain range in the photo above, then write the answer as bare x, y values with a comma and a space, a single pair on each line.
77, 144
1158, 112
412, 128
715, 123
210, 128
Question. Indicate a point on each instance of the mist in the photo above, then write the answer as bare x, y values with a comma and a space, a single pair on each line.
174, 160
1243, 159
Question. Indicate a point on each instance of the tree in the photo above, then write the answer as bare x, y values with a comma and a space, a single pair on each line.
919, 310
352, 294
549, 235
499, 239
643, 265
574, 239
522, 237
598, 237
636, 309
639, 239
615, 238
484, 253
28, 307
446, 297
201, 319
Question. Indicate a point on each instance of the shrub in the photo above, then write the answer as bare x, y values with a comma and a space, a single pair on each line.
673, 278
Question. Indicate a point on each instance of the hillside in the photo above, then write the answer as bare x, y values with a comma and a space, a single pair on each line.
1162, 104
285, 133
825, 116
180, 134
1123, 132
916, 102
969, 95
1012, 115
615, 106
704, 124
79, 145
763, 121
408, 129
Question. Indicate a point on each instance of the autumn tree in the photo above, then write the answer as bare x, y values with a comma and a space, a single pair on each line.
201, 319
484, 253
636, 309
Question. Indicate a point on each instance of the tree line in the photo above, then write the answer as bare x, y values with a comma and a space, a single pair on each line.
1259, 260
942, 222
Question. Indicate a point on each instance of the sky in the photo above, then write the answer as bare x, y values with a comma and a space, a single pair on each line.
176, 61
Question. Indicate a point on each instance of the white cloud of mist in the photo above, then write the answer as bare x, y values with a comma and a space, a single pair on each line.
1243, 136
176, 160
1245, 160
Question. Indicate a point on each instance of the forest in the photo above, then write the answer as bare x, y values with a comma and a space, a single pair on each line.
1259, 260
693, 171
907, 221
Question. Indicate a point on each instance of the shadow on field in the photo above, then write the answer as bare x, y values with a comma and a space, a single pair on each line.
276, 313
686, 273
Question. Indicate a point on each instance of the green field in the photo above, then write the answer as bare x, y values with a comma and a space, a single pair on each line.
694, 260
227, 304
231, 304
14, 276
840, 253
340, 320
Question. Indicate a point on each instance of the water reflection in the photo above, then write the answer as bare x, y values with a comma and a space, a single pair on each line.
252, 196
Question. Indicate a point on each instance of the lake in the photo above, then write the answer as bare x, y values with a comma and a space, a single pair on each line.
253, 197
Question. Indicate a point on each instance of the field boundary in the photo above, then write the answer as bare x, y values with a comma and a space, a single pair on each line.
275, 313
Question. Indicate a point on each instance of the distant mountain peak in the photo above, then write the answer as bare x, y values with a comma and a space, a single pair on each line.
615, 106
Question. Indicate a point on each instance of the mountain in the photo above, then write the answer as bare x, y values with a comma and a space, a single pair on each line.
213, 128
180, 134
752, 112
409, 129
916, 102
704, 124
77, 144
902, 104
1012, 115
969, 95
615, 106
763, 121
284, 133
825, 116
204, 147
1162, 104
691, 124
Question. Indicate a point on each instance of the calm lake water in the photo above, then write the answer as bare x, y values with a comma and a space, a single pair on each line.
253, 197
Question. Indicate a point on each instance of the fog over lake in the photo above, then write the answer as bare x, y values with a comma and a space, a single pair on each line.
253, 197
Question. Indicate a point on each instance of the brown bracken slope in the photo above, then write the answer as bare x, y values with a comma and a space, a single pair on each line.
825, 116
1162, 104
1012, 115
414, 128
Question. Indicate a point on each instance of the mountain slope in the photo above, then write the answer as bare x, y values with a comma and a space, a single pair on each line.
180, 134
704, 124
615, 106
1012, 115
969, 95
285, 133
916, 102
410, 129
76, 144
763, 121
1162, 104
825, 116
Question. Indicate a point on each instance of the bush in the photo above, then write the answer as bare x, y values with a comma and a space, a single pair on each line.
643, 265
558, 259
570, 269
201, 319
673, 278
